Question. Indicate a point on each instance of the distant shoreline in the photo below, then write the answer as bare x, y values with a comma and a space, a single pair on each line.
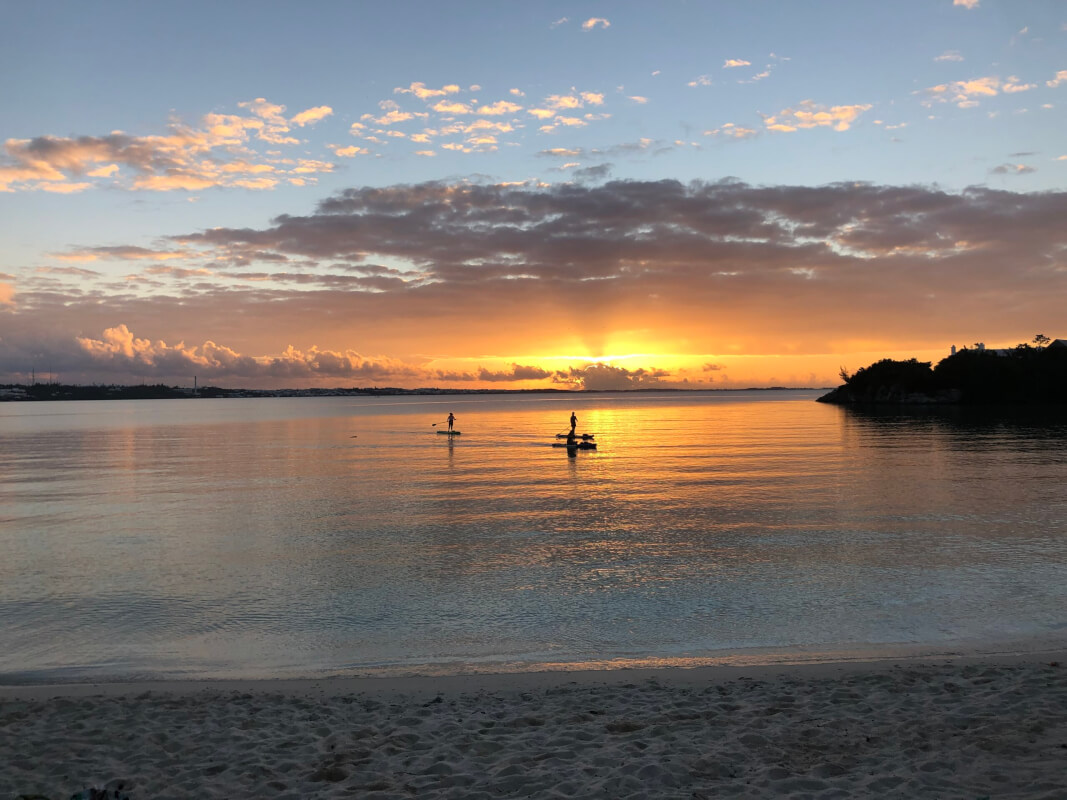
44, 392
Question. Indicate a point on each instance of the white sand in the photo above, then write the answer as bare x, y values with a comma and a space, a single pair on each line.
962, 729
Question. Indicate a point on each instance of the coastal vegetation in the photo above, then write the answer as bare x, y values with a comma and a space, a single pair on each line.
1029, 373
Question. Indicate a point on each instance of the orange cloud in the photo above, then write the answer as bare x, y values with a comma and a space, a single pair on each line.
312, 115
706, 271
444, 107
349, 152
63, 188
421, 92
215, 153
811, 115
104, 172
500, 107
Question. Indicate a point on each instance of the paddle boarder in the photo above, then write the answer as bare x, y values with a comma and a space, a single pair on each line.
574, 422
451, 419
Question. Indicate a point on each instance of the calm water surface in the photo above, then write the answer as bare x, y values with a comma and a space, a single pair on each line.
283, 537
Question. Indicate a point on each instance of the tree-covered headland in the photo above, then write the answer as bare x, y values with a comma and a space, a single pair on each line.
1029, 373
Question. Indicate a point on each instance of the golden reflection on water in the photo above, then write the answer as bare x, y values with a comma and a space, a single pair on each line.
302, 535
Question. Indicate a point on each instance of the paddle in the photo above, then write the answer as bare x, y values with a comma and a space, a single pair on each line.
438, 423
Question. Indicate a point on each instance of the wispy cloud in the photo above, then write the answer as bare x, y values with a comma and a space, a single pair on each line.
420, 91
733, 63
731, 131
950, 55
968, 4
1012, 169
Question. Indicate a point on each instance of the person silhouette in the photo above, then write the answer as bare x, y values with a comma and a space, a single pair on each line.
451, 419
574, 422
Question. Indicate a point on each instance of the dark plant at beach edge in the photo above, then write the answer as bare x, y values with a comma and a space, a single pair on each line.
1029, 373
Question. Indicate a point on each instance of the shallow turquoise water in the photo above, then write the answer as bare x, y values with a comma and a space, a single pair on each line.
260, 537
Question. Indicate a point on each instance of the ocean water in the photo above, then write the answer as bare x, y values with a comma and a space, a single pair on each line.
313, 536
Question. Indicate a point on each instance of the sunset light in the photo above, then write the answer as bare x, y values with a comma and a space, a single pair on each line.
730, 210
533, 400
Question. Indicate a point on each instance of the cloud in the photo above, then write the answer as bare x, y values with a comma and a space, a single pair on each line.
968, 4
562, 268
558, 22
516, 373
420, 91
1061, 77
732, 63
393, 114
639, 99
811, 115
349, 152
701, 80
104, 172
122, 252
963, 93
595, 22
273, 115
950, 55
563, 101
600, 377
732, 131
64, 188
119, 350
499, 107
218, 152
1013, 85
312, 115
446, 107
596, 173
1012, 169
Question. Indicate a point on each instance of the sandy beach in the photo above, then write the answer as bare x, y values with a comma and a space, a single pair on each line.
966, 728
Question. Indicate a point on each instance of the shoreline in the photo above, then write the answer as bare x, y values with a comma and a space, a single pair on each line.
417, 685
964, 727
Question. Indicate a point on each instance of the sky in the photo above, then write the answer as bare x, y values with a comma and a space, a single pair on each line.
510, 195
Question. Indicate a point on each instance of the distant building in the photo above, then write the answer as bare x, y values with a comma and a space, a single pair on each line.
1006, 351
